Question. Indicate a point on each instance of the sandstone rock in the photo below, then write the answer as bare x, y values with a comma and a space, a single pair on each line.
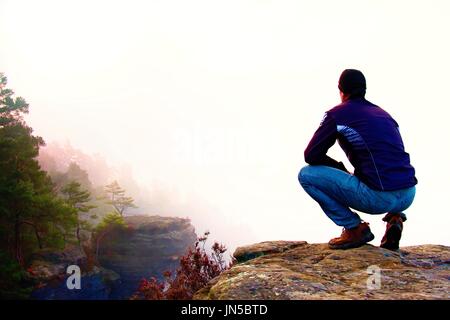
150, 246
48, 265
48, 272
243, 254
96, 284
298, 270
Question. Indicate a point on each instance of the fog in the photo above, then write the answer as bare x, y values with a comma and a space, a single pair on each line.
210, 104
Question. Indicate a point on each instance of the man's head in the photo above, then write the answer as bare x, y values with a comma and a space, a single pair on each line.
352, 83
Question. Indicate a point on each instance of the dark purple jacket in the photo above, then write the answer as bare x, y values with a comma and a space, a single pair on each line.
370, 138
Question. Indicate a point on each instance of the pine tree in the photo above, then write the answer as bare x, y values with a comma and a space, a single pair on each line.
32, 216
78, 199
74, 173
116, 198
112, 221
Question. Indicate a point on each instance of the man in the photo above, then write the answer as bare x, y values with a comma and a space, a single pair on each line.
383, 180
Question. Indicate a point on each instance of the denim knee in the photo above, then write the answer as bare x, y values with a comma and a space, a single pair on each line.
303, 175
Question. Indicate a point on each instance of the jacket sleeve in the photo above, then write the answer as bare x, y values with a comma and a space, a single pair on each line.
323, 139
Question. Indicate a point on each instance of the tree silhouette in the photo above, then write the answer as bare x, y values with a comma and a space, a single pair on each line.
116, 198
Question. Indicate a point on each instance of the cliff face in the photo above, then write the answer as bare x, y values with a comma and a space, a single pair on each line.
298, 270
48, 272
152, 245
149, 246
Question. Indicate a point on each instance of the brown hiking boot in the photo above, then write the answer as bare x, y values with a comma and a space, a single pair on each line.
352, 238
394, 228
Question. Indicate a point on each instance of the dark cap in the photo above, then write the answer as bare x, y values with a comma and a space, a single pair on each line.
352, 82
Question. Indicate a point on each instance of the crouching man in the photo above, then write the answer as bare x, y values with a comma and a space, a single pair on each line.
383, 180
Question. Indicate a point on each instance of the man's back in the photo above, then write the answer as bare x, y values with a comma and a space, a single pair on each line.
384, 180
372, 142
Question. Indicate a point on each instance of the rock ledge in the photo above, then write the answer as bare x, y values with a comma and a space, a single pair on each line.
298, 270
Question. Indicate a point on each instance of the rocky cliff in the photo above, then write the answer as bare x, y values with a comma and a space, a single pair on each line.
48, 273
149, 246
298, 270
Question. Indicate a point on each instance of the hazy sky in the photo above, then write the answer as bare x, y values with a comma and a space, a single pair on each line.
216, 100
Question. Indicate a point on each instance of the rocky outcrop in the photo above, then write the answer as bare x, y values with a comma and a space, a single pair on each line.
48, 271
298, 270
149, 246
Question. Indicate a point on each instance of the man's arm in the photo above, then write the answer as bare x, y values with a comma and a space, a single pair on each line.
323, 139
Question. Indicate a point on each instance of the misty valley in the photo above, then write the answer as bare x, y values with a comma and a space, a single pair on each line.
62, 209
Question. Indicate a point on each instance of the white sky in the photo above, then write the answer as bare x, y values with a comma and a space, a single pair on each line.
216, 100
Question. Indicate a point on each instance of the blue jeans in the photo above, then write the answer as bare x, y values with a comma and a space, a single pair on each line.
337, 191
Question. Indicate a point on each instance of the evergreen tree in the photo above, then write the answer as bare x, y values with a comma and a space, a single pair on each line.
73, 173
112, 221
116, 198
78, 199
31, 214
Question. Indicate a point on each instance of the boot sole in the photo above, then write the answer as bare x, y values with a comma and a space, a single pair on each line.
393, 236
369, 237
